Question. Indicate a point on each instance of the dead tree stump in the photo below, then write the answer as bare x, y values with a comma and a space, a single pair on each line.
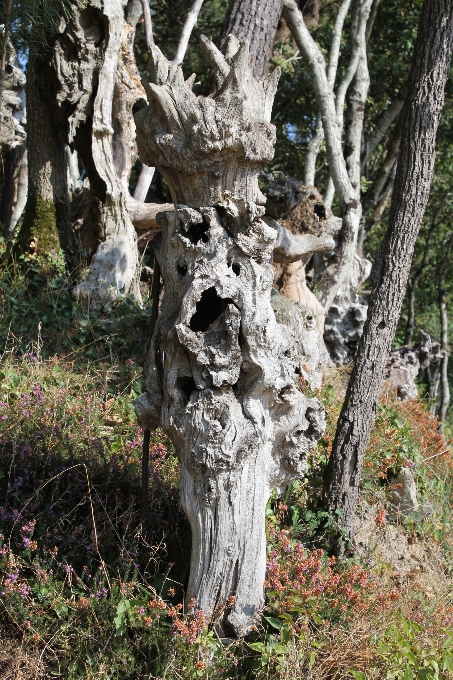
221, 375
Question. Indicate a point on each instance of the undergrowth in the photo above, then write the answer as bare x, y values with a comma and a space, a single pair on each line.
85, 594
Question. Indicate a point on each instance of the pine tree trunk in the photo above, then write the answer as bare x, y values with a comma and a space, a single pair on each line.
255, 21
220, 377
46, 227
429, 72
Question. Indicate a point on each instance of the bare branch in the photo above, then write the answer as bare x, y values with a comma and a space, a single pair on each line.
391, 112
144, 182
148, 24
358, 55
325, 96
358, 45
186, 32
334, 275
292, 247
316, 141
378, 187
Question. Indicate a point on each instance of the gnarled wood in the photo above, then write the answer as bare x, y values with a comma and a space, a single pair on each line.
12, 104
221, 375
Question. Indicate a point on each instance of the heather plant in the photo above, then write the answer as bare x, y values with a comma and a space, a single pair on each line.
81, 583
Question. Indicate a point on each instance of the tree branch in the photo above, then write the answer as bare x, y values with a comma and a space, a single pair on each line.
391, 112
186, 32
333, 276
316, 141
148, 24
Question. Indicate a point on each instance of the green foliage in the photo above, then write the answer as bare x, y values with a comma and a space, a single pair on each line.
31, 22
410, 656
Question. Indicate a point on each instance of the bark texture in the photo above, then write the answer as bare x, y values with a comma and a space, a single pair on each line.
255, 21
429, 72
301, 211
46, 227
221, 375
12, 103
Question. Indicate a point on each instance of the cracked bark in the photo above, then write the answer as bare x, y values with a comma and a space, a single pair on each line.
220, 377
255, 21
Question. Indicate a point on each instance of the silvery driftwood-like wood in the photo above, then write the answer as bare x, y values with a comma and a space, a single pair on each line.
221, 377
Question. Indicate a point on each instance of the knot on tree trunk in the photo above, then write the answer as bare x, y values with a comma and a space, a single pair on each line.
222, 375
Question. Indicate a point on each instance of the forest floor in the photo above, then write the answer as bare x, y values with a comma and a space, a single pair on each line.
83, 594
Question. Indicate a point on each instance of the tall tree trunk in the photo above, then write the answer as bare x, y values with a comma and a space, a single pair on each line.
443, 312
255, 21
220, 377
429, 73
46, 227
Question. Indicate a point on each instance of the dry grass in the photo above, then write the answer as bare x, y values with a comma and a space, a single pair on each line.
17, 663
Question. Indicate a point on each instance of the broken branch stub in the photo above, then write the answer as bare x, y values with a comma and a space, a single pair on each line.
221, 374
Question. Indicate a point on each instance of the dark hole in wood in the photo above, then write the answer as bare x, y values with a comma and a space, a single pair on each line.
182, 269
187, 385
197, 232
320, 211
236, 268
139, 104
209, 308
159, 365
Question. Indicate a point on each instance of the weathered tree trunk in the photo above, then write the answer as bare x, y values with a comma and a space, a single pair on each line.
12, 163
255, 21
46, 227
94, 73
12, 134
220, 377
331, 109
300, 210
443, 312
20, 194
347, 313
146, 172
429, 72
